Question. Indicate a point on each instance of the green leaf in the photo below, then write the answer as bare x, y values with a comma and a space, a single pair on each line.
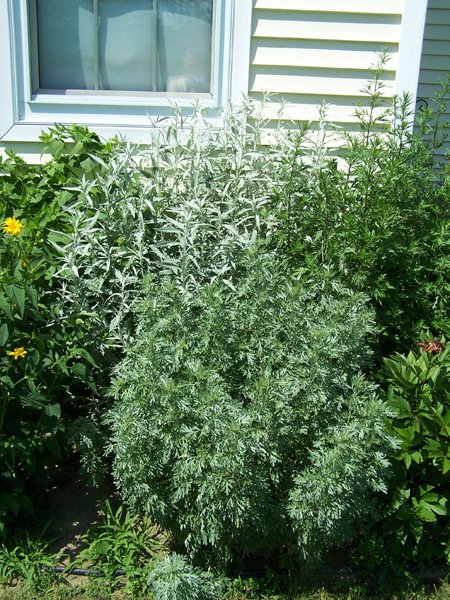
401, 406
7, 381
407, 460
406, 433
5, 306
58, 237
424, 512
417, 457
4, 334
439, 509
26, 505
34, 398
84, 354
17, 294
101, 547
53, 410
79, 370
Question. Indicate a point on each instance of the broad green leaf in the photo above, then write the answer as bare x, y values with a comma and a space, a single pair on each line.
417, 457
53, 410
4, 334
79, 369
17, 294
407, 460
34, 399
85, 354
406, 433
58, 237
7, 381
424, 512
401, 406
5, 306
439, 509
101, 547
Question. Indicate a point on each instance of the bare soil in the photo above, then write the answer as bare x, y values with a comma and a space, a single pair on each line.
73, 508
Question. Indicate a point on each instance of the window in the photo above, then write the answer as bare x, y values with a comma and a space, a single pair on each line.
115, 64
138, 45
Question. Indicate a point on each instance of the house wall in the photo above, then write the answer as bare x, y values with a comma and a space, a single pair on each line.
310, 53
435, 62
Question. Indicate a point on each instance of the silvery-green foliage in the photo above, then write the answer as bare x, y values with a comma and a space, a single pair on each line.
182, 206
173, 578
212, 189
241, 421
105, 251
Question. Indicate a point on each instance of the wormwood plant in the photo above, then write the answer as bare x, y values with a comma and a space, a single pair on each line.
371, 208
175, 579
374, 210
181, 207
241, 421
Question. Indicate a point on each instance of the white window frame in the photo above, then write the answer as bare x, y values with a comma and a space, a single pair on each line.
24, 115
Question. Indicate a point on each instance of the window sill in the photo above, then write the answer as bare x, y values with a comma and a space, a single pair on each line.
23, 132
101, 98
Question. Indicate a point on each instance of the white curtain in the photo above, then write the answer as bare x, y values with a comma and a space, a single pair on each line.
128, 45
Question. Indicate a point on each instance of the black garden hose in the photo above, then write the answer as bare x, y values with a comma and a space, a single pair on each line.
87, 572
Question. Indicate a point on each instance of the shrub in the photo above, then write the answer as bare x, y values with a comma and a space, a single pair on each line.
368, 205
416, 524
175, 579
242, 423
375, 210
180, 207
45, 369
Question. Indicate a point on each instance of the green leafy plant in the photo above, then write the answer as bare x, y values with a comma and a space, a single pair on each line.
122, 543
181, 206
242, 423
374, 209
28, 562
175, 579
368, 205
45, 369
419, 397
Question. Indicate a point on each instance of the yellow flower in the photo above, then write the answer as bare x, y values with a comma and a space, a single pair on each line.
12, 226
18, 353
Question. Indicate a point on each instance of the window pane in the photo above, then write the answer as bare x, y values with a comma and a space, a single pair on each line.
126, 45
184, 45
66, 44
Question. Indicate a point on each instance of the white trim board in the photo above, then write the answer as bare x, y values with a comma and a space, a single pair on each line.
410, 49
